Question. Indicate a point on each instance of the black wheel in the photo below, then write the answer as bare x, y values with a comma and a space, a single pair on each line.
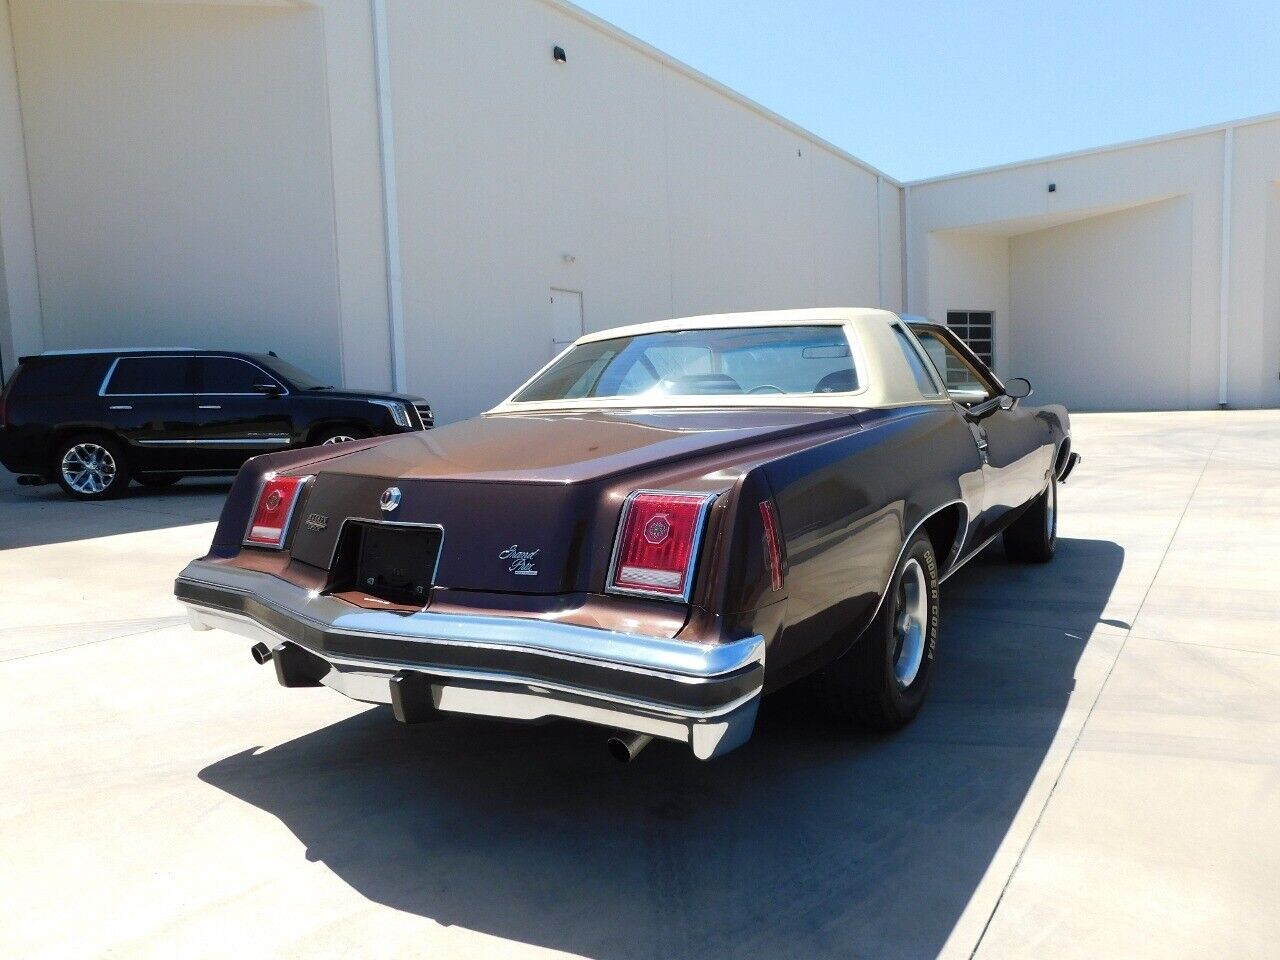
882, 681
91, 467
334, 435
159, 482
1033, 537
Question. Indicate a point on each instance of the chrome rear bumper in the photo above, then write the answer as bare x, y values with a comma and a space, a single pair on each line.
428, 665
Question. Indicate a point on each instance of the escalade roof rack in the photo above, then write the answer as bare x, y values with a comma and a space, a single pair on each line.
84, 350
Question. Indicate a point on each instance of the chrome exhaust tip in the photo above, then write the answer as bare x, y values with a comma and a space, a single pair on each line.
261, 653
625, 747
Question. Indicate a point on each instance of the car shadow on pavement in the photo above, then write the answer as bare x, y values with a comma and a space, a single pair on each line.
38, 516
811, 841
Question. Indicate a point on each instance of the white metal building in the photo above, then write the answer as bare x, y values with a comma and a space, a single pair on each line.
434, 194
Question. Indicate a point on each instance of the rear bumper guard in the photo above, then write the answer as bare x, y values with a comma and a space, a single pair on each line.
429, 665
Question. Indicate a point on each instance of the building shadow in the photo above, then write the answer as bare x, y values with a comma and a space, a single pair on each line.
38, 516
811, 841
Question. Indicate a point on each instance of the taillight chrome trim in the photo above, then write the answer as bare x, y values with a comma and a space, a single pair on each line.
772, 545
288, 518
700, 527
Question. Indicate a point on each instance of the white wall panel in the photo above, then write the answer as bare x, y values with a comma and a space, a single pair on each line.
1101, 309
180, 175
612, 174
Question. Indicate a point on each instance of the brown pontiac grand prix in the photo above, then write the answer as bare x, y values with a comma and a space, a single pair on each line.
665, 523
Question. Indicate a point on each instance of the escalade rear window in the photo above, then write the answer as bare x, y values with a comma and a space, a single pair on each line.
135, 376
56, 377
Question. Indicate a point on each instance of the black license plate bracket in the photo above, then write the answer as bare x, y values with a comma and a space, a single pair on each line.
395, 562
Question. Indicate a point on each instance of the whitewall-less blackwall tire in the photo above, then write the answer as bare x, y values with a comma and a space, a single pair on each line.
1033, 537
882, 681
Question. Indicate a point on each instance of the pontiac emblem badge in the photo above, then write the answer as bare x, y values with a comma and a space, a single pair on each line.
390, 499
658, 529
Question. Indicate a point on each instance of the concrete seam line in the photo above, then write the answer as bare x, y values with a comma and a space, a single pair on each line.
1035, 827
169, 622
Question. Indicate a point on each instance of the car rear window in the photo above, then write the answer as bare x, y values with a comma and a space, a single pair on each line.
664, 366
150, 375
55, 377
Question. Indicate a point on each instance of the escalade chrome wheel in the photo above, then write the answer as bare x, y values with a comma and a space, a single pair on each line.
88, 468
92, 468
336, 435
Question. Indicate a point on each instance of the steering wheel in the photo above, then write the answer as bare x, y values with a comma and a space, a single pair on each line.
766, 388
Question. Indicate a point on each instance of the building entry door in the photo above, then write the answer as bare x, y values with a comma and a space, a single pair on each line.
566, 318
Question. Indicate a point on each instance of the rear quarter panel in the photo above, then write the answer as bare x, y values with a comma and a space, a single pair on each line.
846, 508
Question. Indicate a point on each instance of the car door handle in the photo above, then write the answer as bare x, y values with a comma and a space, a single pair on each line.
210, 406
121, 406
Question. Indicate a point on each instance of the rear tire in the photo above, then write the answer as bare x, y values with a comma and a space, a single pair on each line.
1033, 537
91, 467
881, 682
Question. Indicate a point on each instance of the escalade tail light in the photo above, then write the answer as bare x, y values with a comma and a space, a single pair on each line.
272, 511
656, 550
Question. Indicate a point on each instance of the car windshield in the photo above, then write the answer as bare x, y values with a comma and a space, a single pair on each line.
759, 361
299, 378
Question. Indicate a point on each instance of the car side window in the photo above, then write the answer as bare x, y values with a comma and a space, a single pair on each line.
925, 379
230, 375
140, 376
965, 384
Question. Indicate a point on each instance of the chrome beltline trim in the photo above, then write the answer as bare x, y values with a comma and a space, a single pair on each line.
233, 442
680, 660
389, 668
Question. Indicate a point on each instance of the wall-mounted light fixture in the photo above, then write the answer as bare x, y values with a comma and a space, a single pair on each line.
559, 55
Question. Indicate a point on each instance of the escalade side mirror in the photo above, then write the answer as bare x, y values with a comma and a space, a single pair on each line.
1019, 388
270, 389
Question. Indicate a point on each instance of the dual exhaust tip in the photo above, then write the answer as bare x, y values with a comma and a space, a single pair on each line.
623, 747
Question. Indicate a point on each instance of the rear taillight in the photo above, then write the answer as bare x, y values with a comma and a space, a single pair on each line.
271, 513
772, 544
656, 552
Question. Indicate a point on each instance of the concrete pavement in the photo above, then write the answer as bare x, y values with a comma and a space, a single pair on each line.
1096, 774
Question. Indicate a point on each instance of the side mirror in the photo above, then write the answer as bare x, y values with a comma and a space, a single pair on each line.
1019, 388
270, 389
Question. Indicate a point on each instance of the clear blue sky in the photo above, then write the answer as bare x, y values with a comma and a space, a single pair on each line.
924, 88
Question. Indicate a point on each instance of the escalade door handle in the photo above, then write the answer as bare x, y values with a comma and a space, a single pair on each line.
210, 406
121, 406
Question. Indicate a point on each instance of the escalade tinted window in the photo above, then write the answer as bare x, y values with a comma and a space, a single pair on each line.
60, 377
229, 375
142, 375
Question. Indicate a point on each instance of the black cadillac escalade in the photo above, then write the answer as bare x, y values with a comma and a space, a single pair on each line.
93, 420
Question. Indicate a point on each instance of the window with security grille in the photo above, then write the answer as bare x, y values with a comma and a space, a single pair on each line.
977, 329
